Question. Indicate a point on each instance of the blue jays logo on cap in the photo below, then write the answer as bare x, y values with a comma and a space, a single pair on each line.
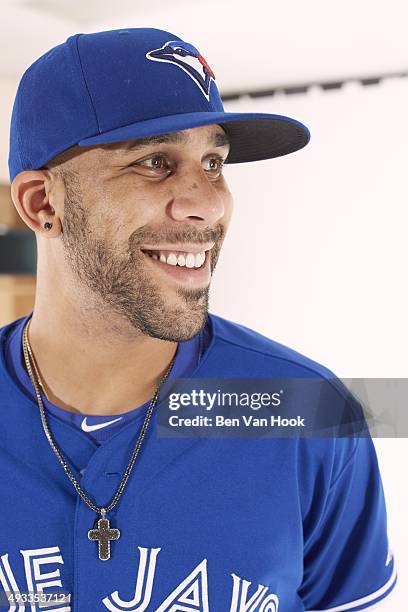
189, 59
109, 90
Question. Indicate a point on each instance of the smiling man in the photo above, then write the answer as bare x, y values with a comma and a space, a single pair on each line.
140, 225
117, 146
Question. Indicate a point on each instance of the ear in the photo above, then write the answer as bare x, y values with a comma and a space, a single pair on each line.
37, 195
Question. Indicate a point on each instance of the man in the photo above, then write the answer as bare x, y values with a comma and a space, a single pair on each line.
118, 141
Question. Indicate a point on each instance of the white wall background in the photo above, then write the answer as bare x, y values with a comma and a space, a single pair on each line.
318, 244
316, 253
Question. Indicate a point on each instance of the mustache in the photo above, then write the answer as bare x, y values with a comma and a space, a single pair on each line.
185, 234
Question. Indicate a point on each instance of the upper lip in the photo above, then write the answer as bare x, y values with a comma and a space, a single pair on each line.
185, 248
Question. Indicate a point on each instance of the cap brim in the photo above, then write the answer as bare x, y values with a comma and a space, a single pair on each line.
253, 136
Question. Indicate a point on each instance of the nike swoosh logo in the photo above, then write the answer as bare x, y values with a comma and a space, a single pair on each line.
87, 427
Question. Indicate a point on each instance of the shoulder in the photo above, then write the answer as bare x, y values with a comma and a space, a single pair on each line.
242, 351
248, 342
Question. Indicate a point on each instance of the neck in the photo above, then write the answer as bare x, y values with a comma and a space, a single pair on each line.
95, 365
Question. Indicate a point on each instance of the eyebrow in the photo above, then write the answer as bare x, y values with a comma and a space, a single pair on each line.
218, 140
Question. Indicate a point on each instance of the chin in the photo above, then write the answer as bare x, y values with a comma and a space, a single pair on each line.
179, 325
186, 326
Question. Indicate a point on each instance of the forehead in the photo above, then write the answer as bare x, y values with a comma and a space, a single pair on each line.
212, 135
105, 156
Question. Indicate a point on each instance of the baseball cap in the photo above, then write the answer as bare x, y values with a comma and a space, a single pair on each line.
125, 84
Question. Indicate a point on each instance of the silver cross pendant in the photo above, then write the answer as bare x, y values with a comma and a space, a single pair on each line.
103, 534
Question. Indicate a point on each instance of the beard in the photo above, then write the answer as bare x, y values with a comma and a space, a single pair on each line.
116, 273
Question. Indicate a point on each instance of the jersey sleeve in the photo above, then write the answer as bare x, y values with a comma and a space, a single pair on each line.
348, 565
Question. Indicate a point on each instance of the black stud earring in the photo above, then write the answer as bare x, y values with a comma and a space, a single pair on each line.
47, 225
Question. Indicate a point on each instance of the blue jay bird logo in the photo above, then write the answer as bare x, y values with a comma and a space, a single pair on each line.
189, 59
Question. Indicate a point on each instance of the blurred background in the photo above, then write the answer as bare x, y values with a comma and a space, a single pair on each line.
316, 253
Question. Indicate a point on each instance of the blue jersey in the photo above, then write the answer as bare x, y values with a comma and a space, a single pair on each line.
98, 427
206, 524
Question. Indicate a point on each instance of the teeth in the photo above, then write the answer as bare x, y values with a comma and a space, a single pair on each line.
199, 259
172, 259
189, 260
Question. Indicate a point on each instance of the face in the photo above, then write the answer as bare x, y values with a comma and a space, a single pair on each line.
143, 224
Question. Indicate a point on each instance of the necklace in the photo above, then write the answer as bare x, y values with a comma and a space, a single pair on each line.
102, 532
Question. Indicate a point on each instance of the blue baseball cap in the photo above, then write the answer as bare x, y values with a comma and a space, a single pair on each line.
125, 84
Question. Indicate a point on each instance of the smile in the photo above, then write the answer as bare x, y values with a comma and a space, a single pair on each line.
178, 258
190, 268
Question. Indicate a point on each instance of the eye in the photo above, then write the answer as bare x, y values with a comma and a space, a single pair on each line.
154, 165
214, 165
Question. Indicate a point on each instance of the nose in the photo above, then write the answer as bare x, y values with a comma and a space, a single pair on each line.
195, 197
